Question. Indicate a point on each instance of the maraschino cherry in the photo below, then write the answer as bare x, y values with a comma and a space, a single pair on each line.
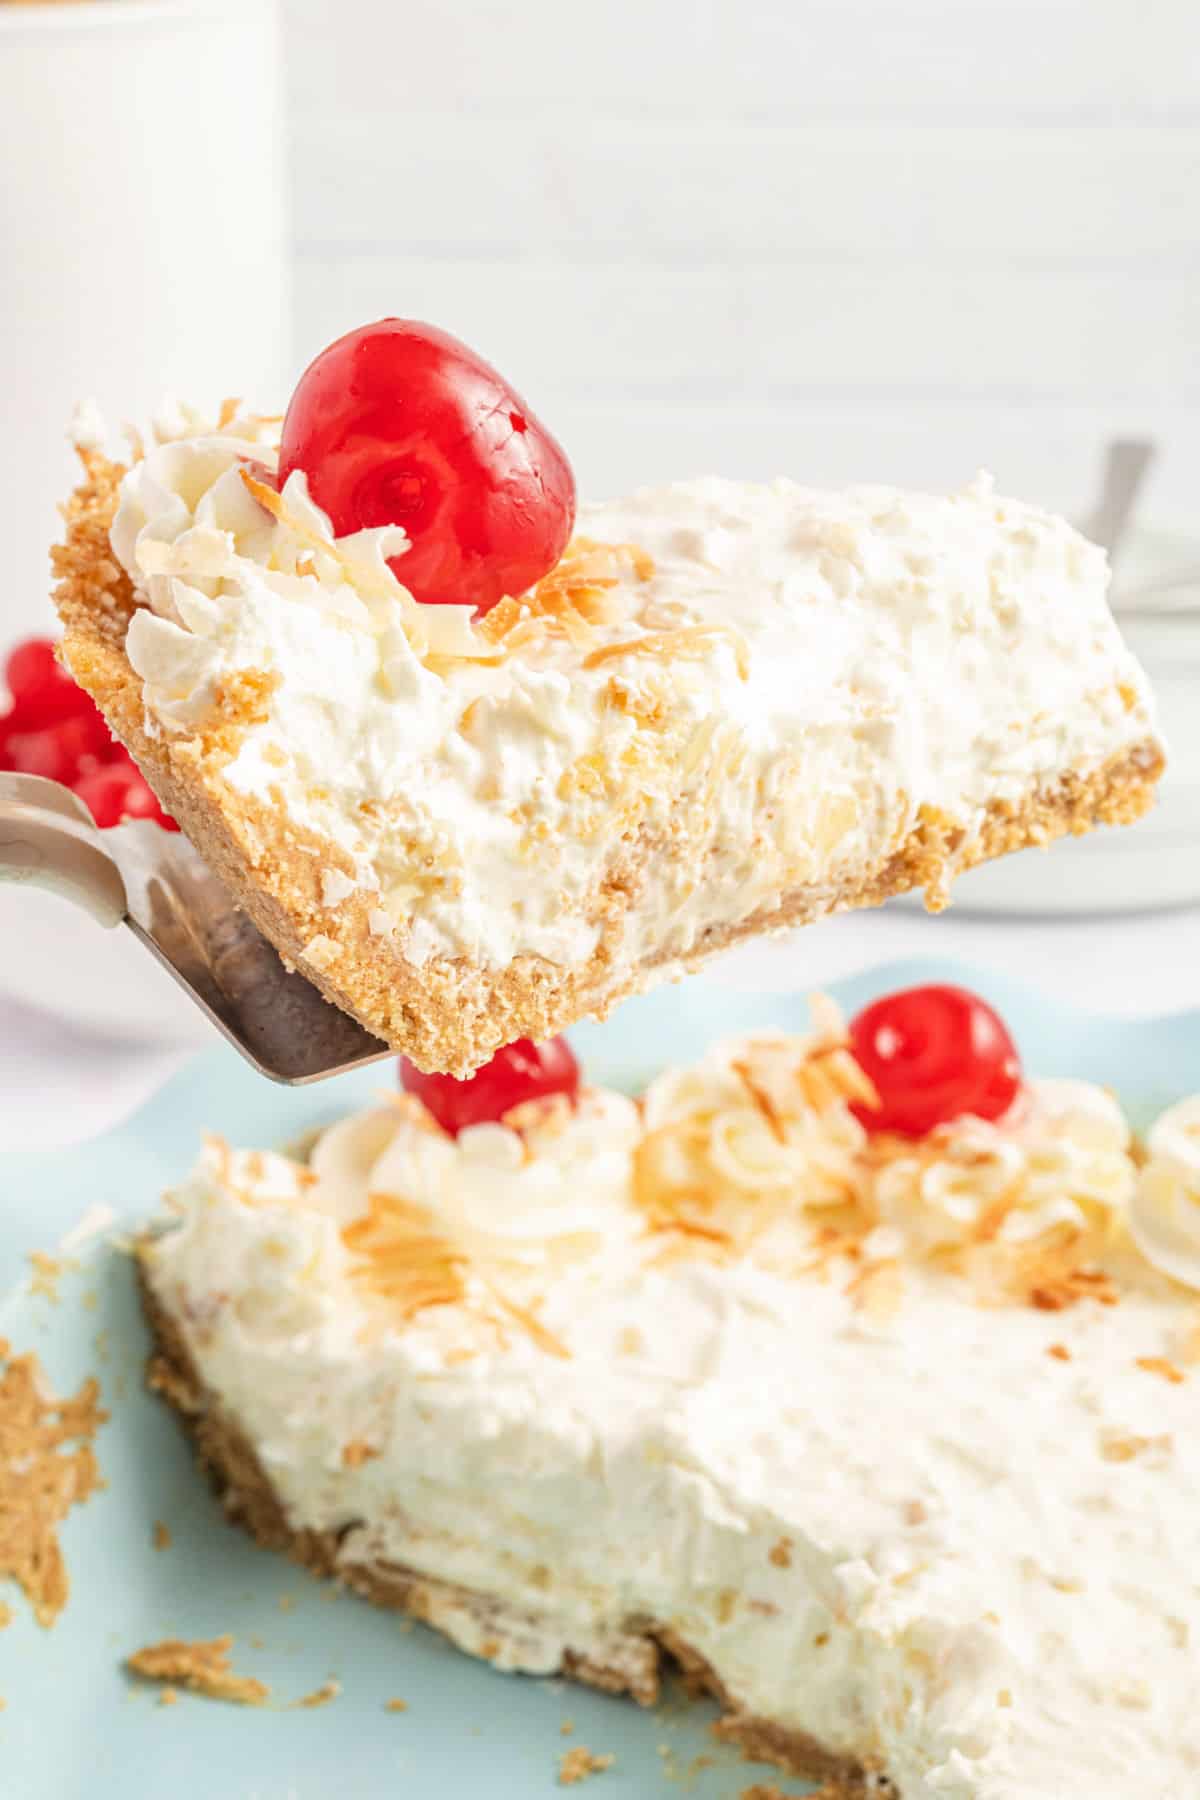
119, 791
42, 691
520, 1071
398, 423
934, 1053
53, 729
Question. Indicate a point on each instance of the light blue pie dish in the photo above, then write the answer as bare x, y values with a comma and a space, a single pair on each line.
75, 1728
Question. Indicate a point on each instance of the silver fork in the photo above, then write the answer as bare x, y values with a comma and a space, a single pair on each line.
153, 881
1126, 464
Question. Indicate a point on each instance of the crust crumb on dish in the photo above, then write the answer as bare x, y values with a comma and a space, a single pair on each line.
321, 1696
449, 1014
396, 1706
161, 1535
202, 1666
47, 1272
578, 1763
42, 1477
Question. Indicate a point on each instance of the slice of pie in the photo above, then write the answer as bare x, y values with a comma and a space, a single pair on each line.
889, 1440
726, 709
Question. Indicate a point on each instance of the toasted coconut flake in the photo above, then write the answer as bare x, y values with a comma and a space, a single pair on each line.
1161, 1365
1057, 1291
877, 1288
668, 646
572, 600
762, 1099
762, 1132
767, 1131
406, 1261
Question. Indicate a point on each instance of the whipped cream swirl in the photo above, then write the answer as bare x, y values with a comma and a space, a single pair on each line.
1165, 1218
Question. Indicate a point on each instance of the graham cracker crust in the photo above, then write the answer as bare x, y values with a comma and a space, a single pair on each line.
250, 1501
449, 1014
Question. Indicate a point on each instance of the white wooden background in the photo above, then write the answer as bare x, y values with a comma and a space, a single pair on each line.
845, 239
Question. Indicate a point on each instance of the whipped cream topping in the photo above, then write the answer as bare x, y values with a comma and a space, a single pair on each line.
757, 1142
1165, 1217
787, 682
952, 1535
1060, 1159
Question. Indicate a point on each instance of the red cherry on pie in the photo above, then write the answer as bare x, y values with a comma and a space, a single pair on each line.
401, 424
520, 1071
55, 730
934, 1053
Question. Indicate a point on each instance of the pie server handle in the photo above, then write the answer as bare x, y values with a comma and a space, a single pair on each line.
47, 839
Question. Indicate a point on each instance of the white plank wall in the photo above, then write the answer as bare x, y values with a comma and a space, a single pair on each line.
842, 239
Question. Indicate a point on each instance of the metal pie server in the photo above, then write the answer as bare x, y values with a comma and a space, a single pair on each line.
154, 882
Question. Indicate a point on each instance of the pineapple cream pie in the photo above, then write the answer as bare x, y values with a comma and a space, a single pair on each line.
831, 1371
478, 767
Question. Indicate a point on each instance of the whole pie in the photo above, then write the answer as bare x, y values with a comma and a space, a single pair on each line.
882, 1425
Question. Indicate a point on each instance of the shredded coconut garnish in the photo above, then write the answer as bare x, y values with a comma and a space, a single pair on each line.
758, 1132
1162, 1365
572, 600
361, 562
1025, 1206
668, 646
407, 1261
762, 1131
